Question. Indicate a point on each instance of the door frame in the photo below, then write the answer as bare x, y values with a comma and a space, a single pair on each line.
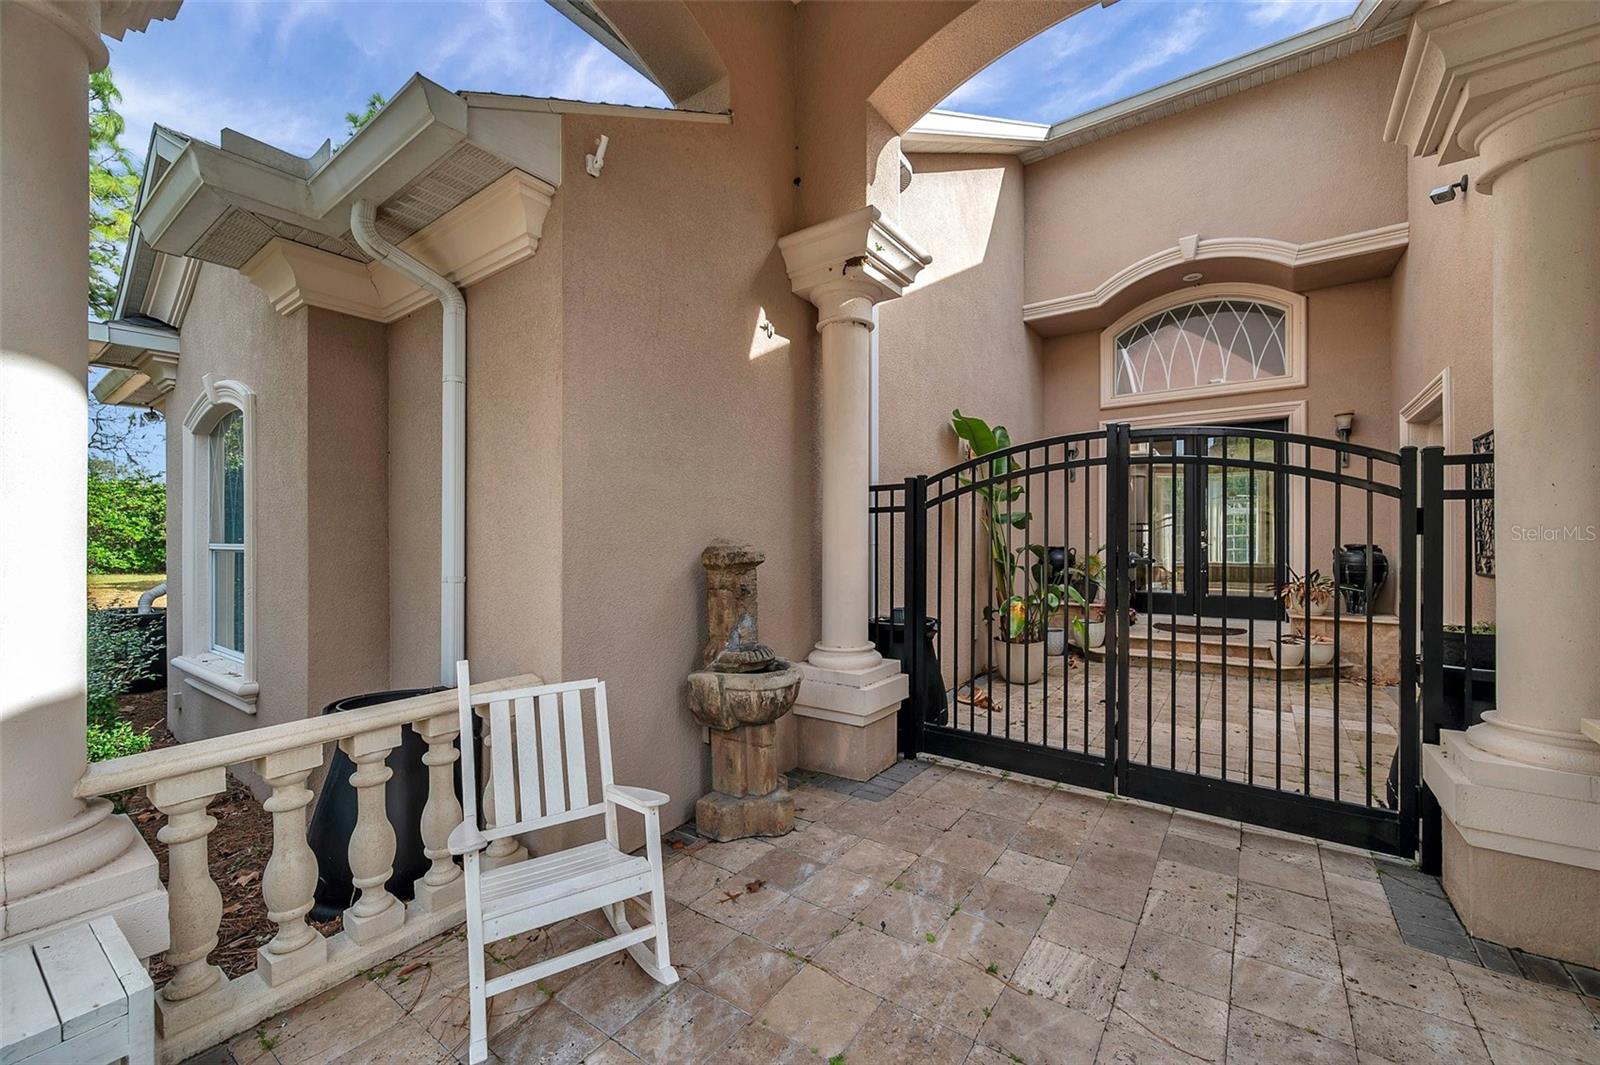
1292, 412
1436, 401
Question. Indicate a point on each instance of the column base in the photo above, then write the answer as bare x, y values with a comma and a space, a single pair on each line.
127, 887
1521, 849
729, 817
846, 720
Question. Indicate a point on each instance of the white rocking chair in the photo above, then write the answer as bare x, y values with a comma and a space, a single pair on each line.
530, 729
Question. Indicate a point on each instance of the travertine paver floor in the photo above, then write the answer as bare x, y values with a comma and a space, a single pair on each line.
971, 918
1256, 728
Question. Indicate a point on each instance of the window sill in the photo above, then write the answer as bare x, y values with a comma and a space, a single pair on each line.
220, 677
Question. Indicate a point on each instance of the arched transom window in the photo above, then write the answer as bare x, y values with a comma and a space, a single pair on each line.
1230, 341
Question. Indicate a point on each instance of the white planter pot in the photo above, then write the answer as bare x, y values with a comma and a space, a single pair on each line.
1055, 642
1094, 630
1289, 654
1018, 663
1297, 608
1321, 655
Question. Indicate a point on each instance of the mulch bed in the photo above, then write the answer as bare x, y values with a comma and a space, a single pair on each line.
239, 848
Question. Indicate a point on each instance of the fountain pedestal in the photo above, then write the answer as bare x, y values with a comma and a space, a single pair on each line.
739, 695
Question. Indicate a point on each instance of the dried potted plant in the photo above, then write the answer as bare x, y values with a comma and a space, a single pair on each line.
1289, 650
1294, 593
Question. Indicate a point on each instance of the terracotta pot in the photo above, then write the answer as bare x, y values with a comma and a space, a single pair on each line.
1018, 663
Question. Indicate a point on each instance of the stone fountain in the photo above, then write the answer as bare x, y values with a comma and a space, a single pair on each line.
739, 693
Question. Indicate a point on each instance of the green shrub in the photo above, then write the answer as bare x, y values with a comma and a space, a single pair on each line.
120, 653
127, 523
115, 741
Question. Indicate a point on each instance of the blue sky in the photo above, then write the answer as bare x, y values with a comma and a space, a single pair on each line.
286, 71
1105, 54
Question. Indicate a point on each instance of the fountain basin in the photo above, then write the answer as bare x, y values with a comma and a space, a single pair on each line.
722, 701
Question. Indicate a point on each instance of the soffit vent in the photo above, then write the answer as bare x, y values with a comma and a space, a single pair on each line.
460, 175
232, 239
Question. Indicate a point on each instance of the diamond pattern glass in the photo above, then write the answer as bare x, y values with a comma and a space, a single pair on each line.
1196, 345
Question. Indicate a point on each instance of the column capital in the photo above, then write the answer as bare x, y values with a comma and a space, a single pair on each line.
86, 22
857, 256
1502, 81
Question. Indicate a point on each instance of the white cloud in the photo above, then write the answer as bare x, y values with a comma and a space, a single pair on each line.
1295, 15
202, 111
1175, 41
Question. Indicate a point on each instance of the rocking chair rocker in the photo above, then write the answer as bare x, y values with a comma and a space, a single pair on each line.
530, 729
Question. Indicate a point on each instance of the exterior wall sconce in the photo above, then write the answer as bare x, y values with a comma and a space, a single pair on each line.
1343, 422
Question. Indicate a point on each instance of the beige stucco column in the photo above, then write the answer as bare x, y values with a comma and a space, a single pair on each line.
60, 859
849, 694
1517, 87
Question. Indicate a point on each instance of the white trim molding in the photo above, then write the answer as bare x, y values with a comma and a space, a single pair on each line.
224, 677
1296, 267
1292, 304
1438, 392
496, 228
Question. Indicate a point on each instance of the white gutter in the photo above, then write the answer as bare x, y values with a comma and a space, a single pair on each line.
453, 435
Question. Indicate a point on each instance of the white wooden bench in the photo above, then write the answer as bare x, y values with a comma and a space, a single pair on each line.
76, 997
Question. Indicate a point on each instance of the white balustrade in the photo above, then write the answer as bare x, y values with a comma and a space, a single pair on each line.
290, 882
200, 1007
501, 851
442, 885
376, 912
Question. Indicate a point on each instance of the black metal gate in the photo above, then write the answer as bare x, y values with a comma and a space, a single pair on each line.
1278, 689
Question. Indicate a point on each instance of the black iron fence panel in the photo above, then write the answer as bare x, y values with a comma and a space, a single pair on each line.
1457, 605
1221, 618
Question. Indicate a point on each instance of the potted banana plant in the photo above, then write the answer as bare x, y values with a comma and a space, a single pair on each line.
1024, 594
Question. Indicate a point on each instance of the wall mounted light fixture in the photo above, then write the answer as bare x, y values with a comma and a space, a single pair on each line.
1343, 422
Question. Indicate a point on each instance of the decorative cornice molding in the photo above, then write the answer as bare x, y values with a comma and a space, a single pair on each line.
1471, 69
1292, 257
496, 228
872, 255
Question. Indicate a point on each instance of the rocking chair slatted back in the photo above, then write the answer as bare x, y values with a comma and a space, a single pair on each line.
538, 756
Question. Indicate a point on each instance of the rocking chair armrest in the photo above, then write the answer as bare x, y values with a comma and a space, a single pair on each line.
465, 839
640, 800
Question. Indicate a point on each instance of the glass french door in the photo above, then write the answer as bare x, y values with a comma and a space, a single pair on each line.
1215, 532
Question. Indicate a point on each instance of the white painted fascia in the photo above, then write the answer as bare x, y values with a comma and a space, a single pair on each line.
550, 105
500, 226
416, 129
958, 131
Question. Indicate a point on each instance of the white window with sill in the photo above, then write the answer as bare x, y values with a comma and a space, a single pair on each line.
218, 639
1208, 340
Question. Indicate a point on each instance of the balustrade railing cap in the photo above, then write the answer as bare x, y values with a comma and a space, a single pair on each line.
139, 770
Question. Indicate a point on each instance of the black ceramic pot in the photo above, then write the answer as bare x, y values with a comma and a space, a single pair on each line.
1087, 585
1350, 566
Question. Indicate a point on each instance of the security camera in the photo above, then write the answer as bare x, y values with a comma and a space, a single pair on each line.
1446, 193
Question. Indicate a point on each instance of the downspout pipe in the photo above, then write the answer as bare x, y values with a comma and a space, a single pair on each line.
453, 435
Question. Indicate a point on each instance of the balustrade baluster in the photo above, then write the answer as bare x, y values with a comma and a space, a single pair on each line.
289, 883
443, 884
376, 912
194, 904
501, 851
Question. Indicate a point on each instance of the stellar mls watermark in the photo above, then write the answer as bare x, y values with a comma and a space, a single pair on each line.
1549, 534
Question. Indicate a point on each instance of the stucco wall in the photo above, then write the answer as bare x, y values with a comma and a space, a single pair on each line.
347, 508
233, 332
957, 338
414, 398
1299, 159
678, 426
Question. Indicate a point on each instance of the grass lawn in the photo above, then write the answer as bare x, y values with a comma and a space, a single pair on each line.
122, 589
